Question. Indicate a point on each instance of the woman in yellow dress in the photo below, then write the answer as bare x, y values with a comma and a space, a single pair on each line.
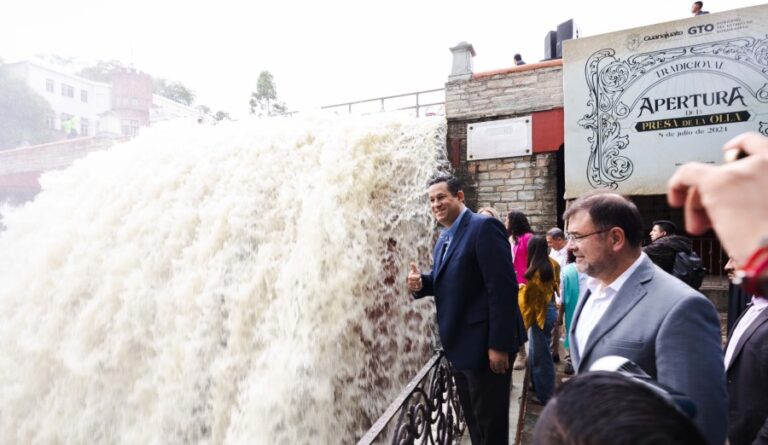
536, 301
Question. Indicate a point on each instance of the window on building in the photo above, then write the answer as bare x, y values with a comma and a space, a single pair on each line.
83, 96
49, 87
130, 128
50, 121
67, 90
84, 127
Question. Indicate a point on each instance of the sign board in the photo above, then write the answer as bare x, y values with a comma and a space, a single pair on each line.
503, 138
640, 102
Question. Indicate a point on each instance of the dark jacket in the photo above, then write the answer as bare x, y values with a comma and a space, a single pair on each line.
664, 249
475, 293
748, 386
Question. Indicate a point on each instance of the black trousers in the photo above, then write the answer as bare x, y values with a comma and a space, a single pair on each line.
484, 398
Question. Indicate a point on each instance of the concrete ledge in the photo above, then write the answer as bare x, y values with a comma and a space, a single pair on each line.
518, 69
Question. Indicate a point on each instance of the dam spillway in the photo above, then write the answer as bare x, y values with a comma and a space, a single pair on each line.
237, 283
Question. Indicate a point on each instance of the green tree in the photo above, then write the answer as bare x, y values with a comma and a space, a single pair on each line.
175, 91
102, 71
23, 114
279, 108
265, 91
55, 59
221, 115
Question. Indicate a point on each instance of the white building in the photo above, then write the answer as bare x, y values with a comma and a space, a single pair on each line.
77, 102
164, 109
116, 109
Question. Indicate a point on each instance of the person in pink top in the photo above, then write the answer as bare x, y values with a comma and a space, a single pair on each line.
519, 232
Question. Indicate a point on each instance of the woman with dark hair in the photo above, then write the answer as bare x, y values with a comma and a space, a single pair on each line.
519, 232
537, 306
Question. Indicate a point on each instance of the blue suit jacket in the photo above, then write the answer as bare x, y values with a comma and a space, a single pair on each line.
475, 293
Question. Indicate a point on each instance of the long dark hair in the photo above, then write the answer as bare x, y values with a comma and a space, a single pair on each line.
538, 259
517, 224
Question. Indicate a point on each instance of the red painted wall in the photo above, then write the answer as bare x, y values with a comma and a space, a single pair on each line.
548, 132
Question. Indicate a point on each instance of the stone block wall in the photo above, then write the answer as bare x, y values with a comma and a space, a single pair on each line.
516, 91
527, 183
524, 183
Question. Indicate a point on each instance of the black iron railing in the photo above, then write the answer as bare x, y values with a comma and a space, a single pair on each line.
714, 258
426, 412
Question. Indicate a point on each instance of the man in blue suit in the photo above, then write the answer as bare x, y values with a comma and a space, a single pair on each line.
475, 292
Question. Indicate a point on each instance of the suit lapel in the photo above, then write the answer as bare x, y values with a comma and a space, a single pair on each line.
460, 231
756, 323
437, 254
736, 323
629, 295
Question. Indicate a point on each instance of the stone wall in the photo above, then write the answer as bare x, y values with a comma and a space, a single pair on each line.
525, 183
512, 92
528, 183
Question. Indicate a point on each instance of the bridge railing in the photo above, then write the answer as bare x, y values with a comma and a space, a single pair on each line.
423, 103
426, 412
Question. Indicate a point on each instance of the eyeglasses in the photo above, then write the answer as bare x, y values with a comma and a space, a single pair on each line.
570, 237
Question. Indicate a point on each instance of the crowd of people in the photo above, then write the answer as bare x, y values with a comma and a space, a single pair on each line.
620, 303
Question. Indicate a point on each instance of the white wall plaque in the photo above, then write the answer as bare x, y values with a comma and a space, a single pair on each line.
640, 102
503, 138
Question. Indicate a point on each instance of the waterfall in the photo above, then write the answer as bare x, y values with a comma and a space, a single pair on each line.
242, 283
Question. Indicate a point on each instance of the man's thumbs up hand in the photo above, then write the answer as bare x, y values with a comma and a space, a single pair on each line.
414, 278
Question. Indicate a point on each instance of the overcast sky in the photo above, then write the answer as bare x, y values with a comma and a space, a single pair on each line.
320, 52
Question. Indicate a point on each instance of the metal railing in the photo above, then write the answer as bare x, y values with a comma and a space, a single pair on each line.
714, 258
396, 103
427, 411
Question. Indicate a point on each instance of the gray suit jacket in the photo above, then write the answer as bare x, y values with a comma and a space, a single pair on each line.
672, 332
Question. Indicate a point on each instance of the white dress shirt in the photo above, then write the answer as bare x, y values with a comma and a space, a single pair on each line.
599, 299
757, 306
561, 256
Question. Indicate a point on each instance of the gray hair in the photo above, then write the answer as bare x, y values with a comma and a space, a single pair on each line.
556, 233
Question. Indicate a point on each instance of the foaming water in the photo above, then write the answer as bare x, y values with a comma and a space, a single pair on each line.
242, 283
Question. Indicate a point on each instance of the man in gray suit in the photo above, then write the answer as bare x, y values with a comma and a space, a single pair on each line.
636, 310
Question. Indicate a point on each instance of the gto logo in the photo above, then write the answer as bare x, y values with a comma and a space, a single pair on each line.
701, 29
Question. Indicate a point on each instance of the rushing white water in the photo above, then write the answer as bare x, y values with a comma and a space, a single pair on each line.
237, 284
